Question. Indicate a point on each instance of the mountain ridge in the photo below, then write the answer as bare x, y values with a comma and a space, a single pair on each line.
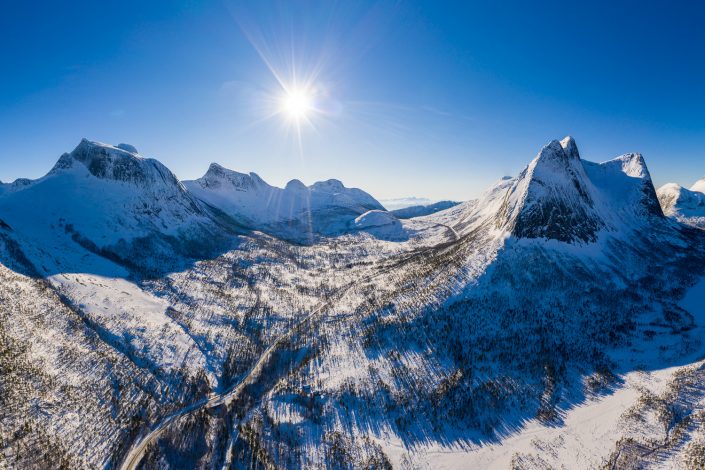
128, 301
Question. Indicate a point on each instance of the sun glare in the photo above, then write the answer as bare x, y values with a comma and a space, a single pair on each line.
297, 104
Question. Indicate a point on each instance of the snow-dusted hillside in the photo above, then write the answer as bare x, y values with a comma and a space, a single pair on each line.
145, 323
381, 224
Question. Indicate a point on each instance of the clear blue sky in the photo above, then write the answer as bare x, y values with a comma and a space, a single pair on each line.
432, 99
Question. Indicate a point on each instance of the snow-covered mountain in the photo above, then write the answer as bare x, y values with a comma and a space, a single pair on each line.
685, 205
295, 211
134, 210
422, 210
556, 321
111, 201
559, 196
392, 204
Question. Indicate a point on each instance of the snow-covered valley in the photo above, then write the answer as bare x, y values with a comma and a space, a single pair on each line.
555, 322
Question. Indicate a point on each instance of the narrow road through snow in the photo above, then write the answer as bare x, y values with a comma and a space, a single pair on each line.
137, 451
455, 234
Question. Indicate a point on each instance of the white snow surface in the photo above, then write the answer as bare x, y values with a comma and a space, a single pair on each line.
382, 224
248, 198
132, 315
104, 193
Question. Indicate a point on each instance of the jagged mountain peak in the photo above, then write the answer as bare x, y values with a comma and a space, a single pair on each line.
557, 164
215, 168
551, 198
560, 196
119, 163
570, 148
218, 176
552, 152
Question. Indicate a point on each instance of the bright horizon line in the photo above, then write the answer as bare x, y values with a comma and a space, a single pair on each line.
282, 184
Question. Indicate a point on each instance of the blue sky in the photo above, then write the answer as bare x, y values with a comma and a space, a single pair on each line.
431, 99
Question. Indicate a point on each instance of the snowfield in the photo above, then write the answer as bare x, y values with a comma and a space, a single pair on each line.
558, 321
589, 431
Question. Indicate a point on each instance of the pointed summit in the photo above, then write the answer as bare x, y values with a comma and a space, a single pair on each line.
551, 198
570, 148
563, 197
215, 169
218, 176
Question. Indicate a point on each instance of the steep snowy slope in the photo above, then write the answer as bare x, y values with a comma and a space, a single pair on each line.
685, 205
296, 211
562, 197
68, 399
626, 193
531, 312
111, 200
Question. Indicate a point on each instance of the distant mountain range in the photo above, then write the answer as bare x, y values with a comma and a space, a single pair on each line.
402, 202
421, 210
145, 322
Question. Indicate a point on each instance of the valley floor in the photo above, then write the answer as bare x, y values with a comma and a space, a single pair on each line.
592, 434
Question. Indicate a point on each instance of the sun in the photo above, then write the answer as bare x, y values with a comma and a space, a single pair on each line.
297, 104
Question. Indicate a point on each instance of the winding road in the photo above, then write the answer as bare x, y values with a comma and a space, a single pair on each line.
138, 449
136, 453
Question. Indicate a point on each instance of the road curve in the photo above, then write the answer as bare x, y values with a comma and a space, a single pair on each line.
456, 235
136, 453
